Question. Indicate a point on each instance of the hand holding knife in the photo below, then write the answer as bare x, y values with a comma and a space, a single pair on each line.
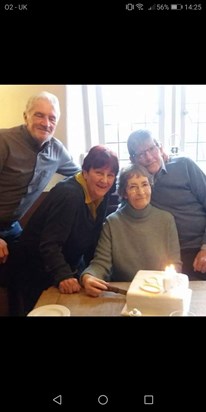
114, 289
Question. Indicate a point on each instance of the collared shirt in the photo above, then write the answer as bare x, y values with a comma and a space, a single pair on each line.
180, 188
62, 234
91, 204
26, 168
161, 171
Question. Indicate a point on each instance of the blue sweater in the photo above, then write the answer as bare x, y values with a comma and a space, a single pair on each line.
181, 190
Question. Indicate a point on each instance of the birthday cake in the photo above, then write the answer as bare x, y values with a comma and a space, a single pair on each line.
156, 293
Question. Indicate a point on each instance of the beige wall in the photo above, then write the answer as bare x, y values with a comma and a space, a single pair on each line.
13, 99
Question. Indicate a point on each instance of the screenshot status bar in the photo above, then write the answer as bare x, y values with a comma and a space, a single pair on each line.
163, 7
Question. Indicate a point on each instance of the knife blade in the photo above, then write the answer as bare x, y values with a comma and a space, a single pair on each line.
114, 289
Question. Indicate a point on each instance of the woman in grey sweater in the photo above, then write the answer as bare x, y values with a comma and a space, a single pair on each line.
138, 236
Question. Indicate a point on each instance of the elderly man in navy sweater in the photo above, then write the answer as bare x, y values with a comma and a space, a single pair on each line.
180, 188
29, 157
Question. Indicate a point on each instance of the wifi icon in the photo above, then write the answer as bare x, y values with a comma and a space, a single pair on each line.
139, 6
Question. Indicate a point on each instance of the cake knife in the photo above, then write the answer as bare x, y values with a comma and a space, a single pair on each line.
114, 289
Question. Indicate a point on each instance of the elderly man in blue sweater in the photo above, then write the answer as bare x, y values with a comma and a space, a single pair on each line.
180, 188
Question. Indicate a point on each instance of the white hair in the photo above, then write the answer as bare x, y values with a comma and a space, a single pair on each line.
51, 98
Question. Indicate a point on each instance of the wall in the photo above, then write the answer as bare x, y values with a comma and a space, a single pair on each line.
13, 99
77, 131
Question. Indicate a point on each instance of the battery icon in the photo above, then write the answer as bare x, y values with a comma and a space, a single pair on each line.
176, 6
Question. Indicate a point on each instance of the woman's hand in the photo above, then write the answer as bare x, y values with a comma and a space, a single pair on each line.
4, 252
70, 285
93, 286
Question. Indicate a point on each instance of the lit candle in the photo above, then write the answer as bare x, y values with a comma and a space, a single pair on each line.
169, 278
170, 270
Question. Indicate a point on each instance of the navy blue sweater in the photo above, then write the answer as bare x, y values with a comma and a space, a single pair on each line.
62, 233
181, 190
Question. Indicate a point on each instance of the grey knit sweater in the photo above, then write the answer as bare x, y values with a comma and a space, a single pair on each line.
133, 240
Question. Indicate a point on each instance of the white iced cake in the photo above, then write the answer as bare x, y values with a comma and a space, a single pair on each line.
156, 293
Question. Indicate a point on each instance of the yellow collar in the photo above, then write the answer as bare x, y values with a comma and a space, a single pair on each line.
92, 205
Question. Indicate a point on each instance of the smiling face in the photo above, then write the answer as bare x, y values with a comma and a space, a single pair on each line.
41, 120
149, 155
138, 191
99, 181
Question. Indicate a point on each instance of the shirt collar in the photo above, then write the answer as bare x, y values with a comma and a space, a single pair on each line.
161, 171
34, 142
163, 167
81, 180
91, 204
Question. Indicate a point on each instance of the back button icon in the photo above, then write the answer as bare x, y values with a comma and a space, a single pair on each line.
58, 399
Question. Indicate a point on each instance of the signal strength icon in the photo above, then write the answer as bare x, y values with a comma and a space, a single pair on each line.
152, 7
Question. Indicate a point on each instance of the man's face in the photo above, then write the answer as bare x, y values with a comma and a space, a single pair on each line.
149, 155
41, 121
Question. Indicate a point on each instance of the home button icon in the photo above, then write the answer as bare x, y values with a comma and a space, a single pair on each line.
103, 399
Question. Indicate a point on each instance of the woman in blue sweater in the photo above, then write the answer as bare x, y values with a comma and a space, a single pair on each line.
138, 236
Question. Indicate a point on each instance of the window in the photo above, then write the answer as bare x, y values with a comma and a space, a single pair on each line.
127, 108
194, 123
107, 114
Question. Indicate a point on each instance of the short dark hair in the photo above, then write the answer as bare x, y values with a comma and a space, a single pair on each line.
101, 156
136, 137
129, 171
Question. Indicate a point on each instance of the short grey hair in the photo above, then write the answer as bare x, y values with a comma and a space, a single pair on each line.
136, 137
51, 98
126, 174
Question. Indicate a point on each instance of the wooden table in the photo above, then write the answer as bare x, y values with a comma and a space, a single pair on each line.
111, 304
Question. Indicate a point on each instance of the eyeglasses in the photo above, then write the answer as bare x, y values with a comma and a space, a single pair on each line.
151, 150
137, 189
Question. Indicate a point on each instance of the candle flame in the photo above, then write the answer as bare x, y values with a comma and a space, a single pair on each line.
170, 270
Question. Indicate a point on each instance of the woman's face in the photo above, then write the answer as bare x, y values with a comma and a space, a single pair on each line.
138, 192
99, 181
